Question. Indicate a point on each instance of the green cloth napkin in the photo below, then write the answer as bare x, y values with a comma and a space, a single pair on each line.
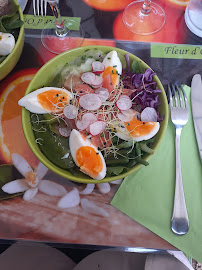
147, 196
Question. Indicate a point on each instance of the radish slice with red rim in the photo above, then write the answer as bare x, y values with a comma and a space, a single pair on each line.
88, 77
103, 93
98, 67
124, 118
124, 103
97, 82
97, 127
130, 112
91, 118
82, 125
149, 114
70, 111
97, 86
64, 131
90, 102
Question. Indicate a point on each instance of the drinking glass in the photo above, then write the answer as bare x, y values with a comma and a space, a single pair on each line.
144, 17
193, 15
61, 38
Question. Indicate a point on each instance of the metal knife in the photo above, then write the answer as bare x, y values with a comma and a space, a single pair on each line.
196, 104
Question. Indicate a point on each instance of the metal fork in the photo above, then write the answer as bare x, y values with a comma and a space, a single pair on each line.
38, 5
179, 109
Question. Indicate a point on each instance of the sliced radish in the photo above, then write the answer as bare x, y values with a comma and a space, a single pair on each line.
124, 96
82, 125
70, 111
97, 127
103, 93
125, 118
88, 77
64, 131
130, 112
91, 117
97, 82
90, 102
124, 103
149, 114
98, 67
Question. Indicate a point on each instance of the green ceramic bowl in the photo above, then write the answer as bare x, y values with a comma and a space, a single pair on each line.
45, 75
11, 60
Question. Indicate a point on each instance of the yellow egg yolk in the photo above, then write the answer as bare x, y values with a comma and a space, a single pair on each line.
89, 161
53, 100
113, 73
138, 128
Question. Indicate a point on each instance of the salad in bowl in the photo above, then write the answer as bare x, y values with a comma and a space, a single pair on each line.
98, 116
11, 35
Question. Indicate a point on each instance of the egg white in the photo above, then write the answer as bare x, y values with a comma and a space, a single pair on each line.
111, 60
30, 101
124, 134
7, 43
76, 140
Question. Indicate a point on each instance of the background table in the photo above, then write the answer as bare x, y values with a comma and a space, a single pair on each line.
40, 219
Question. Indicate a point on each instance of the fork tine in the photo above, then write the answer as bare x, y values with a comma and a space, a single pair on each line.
170, 96
34, 7
185, 97
41, 7
37, 7
45, 7
175, 95
180, 95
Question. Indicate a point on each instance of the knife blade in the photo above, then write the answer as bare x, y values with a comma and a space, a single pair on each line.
196, 104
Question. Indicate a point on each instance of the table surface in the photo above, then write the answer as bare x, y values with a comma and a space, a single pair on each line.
40, 219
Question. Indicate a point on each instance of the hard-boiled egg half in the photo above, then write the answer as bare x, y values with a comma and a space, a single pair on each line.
136, 129
46, 100
86, 156
7, 43
113, 67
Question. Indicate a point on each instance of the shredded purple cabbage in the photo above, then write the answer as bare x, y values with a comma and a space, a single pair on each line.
144, 90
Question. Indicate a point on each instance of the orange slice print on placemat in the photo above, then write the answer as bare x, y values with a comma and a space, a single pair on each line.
108, 5
104, 42
182, 4
12, 139
172, 32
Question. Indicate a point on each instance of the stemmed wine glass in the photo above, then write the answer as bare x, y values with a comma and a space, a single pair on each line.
61, 38
144, 17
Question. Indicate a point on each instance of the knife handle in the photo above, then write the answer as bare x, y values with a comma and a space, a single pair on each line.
180, 221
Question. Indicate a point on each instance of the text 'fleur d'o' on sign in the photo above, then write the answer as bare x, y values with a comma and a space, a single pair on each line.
39, 22
176, 51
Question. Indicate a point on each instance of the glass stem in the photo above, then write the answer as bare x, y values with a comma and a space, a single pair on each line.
146, 8
61, 29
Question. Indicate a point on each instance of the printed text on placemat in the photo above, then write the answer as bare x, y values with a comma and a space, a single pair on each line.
176, 51
39, 22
